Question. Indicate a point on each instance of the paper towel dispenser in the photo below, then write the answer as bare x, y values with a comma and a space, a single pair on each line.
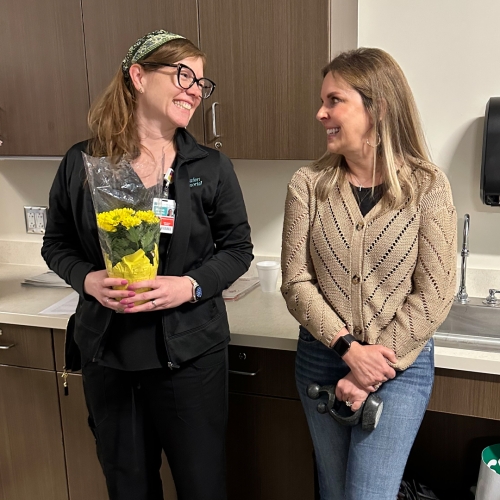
490, 164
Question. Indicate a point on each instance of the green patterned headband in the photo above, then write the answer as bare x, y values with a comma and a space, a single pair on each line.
144, 46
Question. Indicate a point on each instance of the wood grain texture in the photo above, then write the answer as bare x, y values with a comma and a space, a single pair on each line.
31, 447
58, 336
85, 478
269, 450
32, 346
43, 88
111, 27
466, 393
275, 372
266, 58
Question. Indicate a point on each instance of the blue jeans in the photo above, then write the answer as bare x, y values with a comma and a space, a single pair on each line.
354, 464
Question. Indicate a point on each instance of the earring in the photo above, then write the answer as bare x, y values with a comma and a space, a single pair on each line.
378, 142
141, 90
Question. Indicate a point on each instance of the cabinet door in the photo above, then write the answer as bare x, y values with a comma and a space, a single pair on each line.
269, 450
266, 58
85, 478
111, 27
43, 84
31, 446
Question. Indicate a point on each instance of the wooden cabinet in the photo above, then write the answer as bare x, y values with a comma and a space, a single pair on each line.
269, 449
43, 84
266, 58
47, 450
31, 444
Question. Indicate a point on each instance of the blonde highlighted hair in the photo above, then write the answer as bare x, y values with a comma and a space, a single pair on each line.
112, 119
400, 143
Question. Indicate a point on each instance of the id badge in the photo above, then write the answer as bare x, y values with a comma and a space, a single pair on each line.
165, 210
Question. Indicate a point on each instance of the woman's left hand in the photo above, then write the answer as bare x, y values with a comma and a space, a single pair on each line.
349, 389
166, 292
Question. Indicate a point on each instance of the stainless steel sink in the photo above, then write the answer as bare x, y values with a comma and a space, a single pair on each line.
471, 326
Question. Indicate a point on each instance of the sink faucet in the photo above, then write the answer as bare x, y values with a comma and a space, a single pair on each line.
462, 297
491, 300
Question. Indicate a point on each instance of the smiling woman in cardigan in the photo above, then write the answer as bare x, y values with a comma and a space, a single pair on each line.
368, 271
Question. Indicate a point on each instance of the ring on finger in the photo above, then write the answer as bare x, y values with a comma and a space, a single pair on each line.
348, 403
377, 386
154, 304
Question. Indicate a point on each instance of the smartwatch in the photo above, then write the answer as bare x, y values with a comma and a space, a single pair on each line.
343, 344
197, 291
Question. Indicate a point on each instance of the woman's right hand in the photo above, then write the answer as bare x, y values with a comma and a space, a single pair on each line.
349, 389
369, 364
100, 286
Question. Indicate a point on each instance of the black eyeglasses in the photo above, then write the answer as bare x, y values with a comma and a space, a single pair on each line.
186, 78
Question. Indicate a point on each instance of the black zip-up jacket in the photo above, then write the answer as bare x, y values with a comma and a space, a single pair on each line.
211, 243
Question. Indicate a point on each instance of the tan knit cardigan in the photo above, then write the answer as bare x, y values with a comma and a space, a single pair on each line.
388, 277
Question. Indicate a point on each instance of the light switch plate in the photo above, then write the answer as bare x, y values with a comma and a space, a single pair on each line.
36, 219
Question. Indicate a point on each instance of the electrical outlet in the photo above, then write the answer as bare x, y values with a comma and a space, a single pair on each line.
36, 219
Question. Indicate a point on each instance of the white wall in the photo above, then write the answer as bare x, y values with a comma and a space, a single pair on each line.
450, 53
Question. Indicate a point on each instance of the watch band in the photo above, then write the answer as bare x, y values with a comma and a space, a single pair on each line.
343, 344
197, 291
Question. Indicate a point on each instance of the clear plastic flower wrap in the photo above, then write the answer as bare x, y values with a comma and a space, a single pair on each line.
129, 231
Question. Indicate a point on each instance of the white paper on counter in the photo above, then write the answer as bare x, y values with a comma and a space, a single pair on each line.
66, 306
49, 279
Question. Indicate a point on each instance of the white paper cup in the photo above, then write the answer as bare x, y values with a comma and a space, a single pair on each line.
269, 271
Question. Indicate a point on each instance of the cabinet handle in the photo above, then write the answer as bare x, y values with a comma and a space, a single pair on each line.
5, 347
246, 374
214, 121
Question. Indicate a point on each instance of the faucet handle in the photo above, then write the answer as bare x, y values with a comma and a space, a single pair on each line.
491, 300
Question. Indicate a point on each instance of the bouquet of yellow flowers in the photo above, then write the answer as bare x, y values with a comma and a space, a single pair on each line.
128, 229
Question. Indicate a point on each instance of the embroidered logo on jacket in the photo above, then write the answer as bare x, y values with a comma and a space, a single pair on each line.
195, 182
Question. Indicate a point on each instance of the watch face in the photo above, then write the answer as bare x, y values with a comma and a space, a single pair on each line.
198, 292
341, 346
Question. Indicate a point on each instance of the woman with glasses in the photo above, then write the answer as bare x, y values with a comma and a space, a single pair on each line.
369, 255
154, 373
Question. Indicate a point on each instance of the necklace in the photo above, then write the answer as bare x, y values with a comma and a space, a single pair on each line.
354, 178
361, 193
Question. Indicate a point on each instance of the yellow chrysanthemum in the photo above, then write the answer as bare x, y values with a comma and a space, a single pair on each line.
129, 221
147, 216
127, 217
107, 222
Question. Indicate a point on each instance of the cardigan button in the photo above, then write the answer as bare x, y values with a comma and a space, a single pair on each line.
359, 226
357, 331
355, 279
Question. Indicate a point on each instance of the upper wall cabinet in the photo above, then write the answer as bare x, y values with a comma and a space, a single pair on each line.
43, 80
265, 56
111, 27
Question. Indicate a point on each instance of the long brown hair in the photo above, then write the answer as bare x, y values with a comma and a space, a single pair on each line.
112, 119
400, 141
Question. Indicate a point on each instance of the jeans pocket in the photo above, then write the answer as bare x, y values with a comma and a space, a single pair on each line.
305, 336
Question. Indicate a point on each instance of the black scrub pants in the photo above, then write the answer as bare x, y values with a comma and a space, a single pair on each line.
134, 415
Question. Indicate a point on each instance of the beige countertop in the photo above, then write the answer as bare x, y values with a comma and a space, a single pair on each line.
257, 320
